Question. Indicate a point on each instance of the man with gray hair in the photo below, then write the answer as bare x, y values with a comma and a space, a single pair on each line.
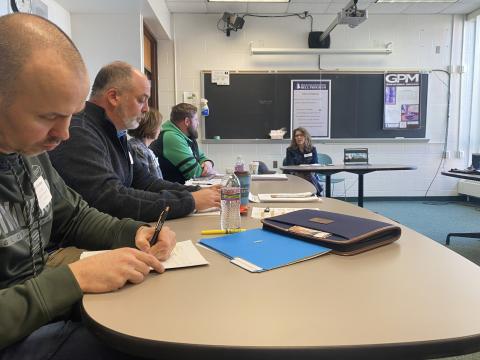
43, 223
96, 161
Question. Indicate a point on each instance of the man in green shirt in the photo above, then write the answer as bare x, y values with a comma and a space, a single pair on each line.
43, 223
176, 148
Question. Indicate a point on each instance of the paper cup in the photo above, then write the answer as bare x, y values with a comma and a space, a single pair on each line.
253, 167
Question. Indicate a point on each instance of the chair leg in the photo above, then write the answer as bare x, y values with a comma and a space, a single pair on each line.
474, 235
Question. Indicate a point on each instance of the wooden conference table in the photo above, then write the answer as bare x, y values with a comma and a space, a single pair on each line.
473, 177
408, 300
360, 170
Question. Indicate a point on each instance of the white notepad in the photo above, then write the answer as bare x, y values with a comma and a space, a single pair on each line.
185, 254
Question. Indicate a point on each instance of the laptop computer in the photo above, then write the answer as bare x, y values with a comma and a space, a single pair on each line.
355, 156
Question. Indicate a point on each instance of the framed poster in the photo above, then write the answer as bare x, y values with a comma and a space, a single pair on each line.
310, 106
402, 101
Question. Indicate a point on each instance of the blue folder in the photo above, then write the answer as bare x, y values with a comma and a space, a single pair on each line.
260, 250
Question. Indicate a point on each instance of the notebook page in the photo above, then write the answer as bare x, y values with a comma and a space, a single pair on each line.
185, 254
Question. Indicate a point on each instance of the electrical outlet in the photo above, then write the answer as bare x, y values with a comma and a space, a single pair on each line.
450, 69
275, 164
461, 69
446, 154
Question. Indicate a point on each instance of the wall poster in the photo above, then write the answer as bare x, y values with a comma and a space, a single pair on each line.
402, 101
310, 106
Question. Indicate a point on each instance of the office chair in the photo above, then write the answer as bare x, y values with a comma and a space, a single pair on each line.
263, 168
325, 159
284, 163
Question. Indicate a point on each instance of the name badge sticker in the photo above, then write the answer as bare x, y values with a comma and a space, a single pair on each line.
43, 193
307, 155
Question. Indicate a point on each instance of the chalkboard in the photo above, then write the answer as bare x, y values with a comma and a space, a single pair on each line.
255, 103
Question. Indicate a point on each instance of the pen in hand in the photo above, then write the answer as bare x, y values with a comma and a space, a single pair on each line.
158, 227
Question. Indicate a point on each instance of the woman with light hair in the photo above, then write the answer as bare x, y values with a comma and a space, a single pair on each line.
147, 131
301, 151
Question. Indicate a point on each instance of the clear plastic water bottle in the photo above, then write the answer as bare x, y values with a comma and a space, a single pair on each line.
204, 107
230, 202
239, 164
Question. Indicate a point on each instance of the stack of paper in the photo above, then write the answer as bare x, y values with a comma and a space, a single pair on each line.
284, 197
185, 254
262, 213
204, 182
269, 177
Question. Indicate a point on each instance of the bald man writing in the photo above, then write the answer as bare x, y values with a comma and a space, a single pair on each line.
43, 81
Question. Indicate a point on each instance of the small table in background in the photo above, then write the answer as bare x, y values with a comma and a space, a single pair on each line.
360, 170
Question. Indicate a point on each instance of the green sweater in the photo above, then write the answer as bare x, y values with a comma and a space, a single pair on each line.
179, 156
29, 301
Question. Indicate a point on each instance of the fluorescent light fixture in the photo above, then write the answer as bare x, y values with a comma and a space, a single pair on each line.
416, 1
252, 1
300, 51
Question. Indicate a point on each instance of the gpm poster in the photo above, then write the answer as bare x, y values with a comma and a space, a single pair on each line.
310, 106
402, 101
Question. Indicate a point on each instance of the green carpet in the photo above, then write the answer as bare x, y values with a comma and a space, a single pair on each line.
436, 220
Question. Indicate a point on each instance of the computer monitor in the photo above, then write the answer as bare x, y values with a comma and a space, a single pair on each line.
357, 156
476, 161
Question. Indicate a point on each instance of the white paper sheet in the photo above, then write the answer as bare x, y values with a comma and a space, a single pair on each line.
299, 197
260, 213
207, 212
269, 177
185, 254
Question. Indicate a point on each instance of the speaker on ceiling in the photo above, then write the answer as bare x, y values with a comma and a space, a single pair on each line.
314, 40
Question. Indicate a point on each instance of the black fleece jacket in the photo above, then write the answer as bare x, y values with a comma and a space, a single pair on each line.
97, 164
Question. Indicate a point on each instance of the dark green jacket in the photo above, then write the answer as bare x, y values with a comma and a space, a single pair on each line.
28, 300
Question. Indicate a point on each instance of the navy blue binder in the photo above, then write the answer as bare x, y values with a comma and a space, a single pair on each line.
259, 250
344, 234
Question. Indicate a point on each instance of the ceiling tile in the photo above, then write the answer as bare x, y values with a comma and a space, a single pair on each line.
95, 6
187, 7
312, 6
385, 8
317, 8
267, 8
464, 7
424, 8
229, 7
334, 8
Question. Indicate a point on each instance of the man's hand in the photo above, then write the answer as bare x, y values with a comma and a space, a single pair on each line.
111, 270
207, 198
165, 243
207, 168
